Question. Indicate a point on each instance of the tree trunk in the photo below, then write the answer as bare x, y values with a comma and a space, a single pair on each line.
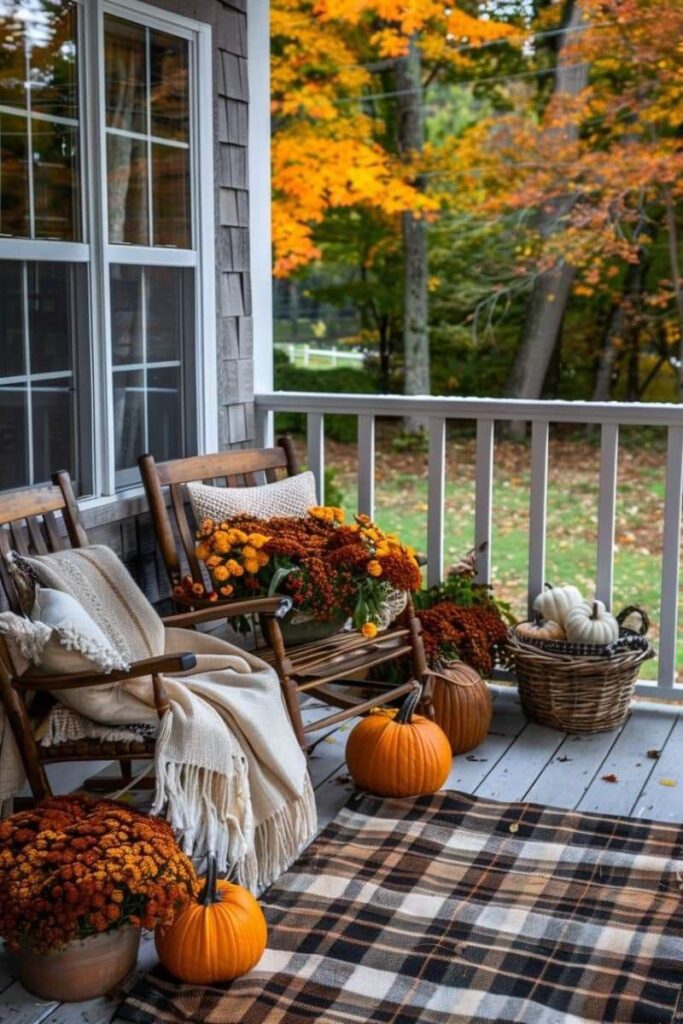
672, 232
551, 288
411, 137
619, 328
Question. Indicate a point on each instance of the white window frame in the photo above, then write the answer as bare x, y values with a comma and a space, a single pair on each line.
96, 251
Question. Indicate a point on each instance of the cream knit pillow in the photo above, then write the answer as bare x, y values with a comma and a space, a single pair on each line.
291, 497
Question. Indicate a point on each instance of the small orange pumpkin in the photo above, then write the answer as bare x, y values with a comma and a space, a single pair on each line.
462, 705
218, 938
540, 629
398, 753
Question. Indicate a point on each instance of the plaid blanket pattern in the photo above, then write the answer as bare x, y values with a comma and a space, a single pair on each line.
453, 909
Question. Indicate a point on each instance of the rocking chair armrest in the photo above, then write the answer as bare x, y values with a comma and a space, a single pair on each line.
270, 606
145, 667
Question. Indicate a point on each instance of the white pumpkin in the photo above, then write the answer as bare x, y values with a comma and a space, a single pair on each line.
556, 602
591, 623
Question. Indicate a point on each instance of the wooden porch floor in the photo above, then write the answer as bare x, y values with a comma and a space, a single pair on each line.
517, 761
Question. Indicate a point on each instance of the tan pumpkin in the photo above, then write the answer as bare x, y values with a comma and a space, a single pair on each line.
397, 753
219, 937
540, 629
462, 705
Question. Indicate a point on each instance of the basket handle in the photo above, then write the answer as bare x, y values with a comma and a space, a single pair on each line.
644, 620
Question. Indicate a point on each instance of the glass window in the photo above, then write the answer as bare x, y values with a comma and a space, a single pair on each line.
151, 317
38, 371
48, 285
39, 125
148, 135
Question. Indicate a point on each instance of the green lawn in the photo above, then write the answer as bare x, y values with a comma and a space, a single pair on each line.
401, 506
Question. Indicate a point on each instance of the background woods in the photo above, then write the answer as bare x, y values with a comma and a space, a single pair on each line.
497, 186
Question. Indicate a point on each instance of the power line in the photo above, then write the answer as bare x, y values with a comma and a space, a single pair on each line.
466, 81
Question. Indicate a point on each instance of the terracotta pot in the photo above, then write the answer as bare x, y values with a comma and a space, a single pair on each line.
84, 969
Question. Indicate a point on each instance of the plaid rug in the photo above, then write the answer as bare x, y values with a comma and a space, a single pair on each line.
453, 909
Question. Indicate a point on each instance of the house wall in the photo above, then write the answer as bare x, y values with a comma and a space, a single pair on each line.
126, 525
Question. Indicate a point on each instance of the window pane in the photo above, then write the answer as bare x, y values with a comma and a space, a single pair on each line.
164, 313
11, 321
53, 60
126, 315
127, 190
129, 417
169, 67
164, 411
13, 437
14, 209
50, 321
53, 428
55, 180
125, 75
171, 192
12, 59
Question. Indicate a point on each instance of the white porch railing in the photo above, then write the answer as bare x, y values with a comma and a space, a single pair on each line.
609, 416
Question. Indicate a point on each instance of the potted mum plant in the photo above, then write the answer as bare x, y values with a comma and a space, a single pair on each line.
79, 878
332, 571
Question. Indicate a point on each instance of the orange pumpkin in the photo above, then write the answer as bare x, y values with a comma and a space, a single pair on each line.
218, 938
398, 753
462, 705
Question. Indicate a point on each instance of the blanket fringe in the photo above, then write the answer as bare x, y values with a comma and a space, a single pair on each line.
278, 841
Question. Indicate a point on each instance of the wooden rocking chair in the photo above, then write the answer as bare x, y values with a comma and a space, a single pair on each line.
325, 669
30, 525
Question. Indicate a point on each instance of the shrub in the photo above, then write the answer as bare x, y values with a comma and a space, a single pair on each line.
343, 380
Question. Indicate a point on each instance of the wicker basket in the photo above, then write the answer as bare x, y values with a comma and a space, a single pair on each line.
576, 693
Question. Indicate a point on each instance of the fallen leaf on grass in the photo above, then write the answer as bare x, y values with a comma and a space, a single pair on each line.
611, 777
654, 755
514, 827
668, 782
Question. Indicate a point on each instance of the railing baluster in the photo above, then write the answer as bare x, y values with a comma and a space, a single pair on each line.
366, 464
483, 498
668, 619
607, 504
435, 498
538, 507
315, 423
263, 426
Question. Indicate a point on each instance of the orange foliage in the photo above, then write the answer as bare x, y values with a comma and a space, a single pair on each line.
328, 153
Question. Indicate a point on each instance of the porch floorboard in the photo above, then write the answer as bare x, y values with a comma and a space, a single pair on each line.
517, 761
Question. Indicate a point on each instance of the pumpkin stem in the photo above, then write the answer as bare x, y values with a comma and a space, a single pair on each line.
549, 586
209, 894
407, 708
595, 613
538, 619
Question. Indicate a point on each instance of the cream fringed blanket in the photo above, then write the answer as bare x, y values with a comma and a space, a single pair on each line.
231, 776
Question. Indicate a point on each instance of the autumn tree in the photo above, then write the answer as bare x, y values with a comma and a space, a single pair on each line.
348, 97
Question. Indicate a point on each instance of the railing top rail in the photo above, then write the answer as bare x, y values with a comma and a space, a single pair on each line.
625, 413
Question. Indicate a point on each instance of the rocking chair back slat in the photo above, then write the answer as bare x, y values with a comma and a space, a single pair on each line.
18, 534
180, 511
54, 538
244, 468
36, 536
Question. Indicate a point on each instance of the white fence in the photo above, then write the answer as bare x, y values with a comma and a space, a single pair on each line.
301, 355
609, 416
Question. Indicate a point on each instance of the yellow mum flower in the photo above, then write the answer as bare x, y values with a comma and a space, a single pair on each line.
249, 551
221, 573
235, 568
262, 558
374, 568
369, 630
339, 515
227, 591
251, 565
239, 536
213, 561
257, 540
202, 551
382, 550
